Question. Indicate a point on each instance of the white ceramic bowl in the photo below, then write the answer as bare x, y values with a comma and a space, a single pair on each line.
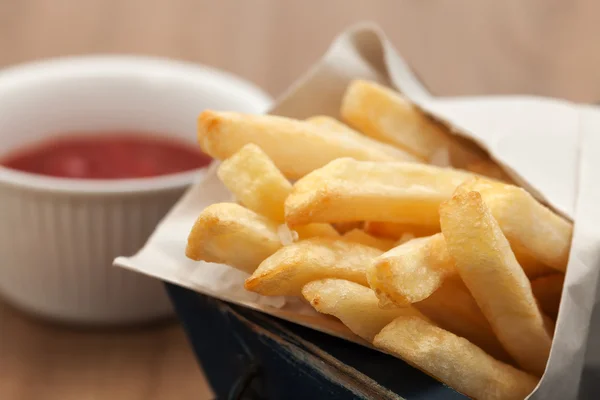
58, 237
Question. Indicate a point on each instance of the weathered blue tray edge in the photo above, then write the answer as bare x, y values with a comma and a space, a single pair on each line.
247, 354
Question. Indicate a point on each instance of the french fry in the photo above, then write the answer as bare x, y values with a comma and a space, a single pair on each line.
392, 230
256, 182
533, 268
288, 236
449, 270
316, 230
290, 268
488, 267
331, 124
412, 271
453, 360
296, 147
385, 115
351, 190
360, 236
547, 290
453, 308
354, 305
529, 226
344, 227
404, 238
230, 234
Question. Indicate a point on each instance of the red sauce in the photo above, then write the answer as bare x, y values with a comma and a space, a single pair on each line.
107, 156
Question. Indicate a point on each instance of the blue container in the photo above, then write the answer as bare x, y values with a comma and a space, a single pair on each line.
249, 355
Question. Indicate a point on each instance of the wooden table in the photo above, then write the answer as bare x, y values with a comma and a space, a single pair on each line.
40, 360
458, 47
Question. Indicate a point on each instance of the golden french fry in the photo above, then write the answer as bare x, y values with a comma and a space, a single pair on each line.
453, 308
351, 190
393, 230
360, 236
488, 267
254, 180
288, 236
228, 233
307, 231
405, 238
331, 124
344, 227
296, 147
533, 268
316, 230
453, 360
412, 271
529, 226
293, 266
385, 115
548, 290
354, 305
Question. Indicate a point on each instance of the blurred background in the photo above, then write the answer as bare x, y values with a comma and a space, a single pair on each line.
457, 48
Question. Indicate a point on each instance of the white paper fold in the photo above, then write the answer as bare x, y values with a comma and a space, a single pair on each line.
551, 146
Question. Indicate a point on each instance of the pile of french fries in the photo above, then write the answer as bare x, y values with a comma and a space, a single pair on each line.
447, 266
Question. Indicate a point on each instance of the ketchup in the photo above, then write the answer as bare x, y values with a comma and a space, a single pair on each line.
107, 156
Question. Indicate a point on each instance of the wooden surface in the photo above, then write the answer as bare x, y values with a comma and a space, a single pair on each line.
456, 47
39, 360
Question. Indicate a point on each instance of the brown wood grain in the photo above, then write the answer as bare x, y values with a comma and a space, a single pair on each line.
41, 360
457, 47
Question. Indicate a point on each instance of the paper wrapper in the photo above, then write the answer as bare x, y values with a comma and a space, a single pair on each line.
551, 147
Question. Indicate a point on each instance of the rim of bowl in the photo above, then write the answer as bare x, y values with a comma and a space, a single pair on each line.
144, 67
